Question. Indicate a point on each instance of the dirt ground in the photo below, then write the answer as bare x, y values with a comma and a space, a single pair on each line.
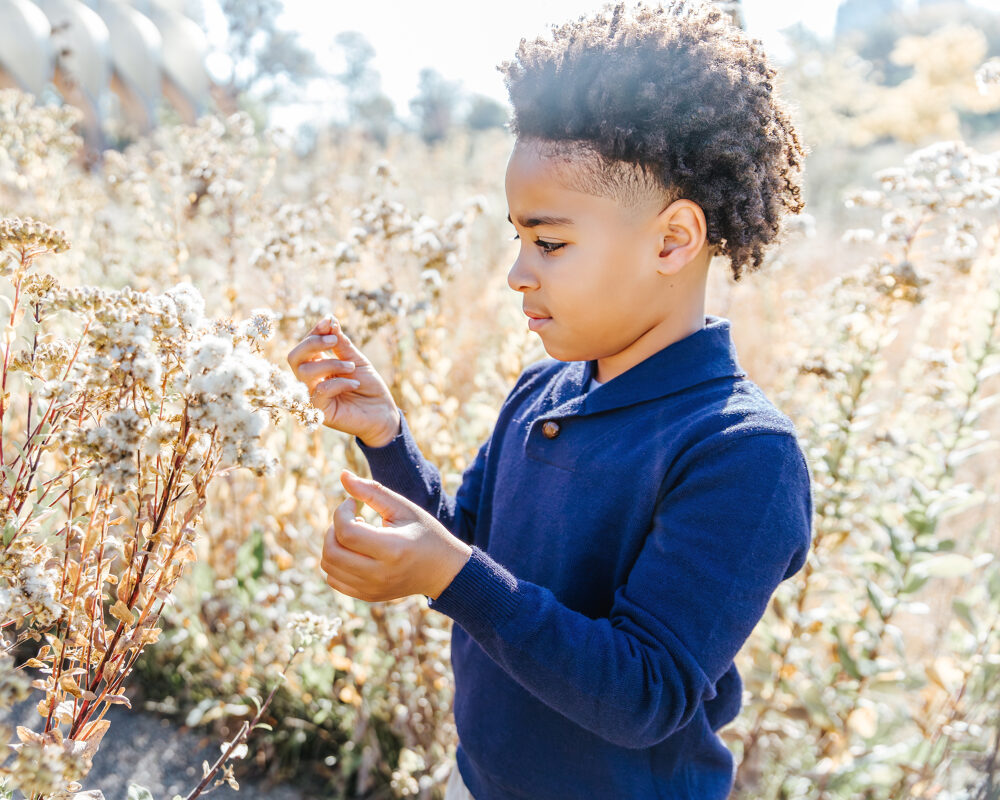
143, 748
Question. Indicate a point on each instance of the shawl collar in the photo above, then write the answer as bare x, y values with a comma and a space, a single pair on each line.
704, 355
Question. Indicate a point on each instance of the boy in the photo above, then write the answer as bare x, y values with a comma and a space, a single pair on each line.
620, 533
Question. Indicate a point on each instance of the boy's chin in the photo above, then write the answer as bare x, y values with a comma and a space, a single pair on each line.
561, 353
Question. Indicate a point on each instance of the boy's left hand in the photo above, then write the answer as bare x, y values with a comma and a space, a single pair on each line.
412, 553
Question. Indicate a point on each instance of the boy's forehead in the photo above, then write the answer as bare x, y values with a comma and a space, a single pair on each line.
541, 162
539, 198
537, 182
545, 175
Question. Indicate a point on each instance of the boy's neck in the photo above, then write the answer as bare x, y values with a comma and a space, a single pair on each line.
670, 330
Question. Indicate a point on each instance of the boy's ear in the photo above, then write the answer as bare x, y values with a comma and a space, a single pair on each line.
683, 232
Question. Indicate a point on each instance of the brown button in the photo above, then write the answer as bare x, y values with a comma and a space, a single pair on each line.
550, 429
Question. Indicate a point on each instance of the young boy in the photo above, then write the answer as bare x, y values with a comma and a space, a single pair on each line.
621, 532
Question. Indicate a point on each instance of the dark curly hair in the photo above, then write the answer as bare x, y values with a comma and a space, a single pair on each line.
668, 102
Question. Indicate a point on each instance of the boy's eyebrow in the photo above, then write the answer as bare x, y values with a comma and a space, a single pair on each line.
534, 222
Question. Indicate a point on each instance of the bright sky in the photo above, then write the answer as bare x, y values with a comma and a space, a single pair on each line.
466, 40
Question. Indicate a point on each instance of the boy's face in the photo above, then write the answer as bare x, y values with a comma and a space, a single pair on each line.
589, 267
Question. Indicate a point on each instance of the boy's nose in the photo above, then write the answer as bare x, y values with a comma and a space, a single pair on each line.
520, 278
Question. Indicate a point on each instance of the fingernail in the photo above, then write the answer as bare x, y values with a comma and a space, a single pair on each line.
329, 339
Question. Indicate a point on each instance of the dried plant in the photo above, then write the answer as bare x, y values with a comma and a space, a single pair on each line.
849, 695
125, 425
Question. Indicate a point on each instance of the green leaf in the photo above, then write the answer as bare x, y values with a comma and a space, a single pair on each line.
950, 565
914, 583
849, 664
9, 529
137, 792
924, 494
259, 553
993, 584
879, 598
917, 518
264, 725
964, 612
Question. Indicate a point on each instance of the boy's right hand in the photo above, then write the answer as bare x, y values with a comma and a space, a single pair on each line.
350, 393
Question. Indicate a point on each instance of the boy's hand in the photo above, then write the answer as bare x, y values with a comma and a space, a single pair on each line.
412, 553
347, 389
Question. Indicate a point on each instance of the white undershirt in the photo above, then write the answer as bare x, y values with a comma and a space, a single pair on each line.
594, 383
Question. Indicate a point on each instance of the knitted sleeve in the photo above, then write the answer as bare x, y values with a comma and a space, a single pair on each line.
401, 466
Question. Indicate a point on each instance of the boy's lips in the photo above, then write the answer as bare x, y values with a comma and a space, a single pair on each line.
536, 321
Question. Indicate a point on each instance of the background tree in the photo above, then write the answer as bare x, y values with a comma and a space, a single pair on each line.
368, 106
268, 64
484, 113
434, 105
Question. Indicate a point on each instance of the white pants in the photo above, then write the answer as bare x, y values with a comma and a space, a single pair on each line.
456, 789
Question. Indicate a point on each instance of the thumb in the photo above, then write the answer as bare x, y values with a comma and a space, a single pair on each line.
389, 505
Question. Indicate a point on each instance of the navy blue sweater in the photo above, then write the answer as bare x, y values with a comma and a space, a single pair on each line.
625, 542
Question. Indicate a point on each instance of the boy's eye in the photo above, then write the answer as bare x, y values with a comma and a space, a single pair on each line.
547, 247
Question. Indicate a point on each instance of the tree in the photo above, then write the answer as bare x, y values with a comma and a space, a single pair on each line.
267, 63
434, 105
485, 113
368, 107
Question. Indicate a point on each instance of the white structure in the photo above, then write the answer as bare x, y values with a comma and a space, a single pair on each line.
142, 51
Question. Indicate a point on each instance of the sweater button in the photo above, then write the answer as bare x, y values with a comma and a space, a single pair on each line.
550, 429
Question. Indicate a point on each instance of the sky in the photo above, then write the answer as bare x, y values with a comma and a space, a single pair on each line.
465, 41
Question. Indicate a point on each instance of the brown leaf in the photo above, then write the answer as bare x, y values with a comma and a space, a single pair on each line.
122, 612
90, 541
125, 586
185, 554
68, 684
150, 636
90, 739
27, 735
118, 698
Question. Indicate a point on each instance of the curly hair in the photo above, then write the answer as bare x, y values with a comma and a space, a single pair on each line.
676, 101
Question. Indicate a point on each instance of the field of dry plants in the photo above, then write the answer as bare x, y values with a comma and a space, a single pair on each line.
166, 483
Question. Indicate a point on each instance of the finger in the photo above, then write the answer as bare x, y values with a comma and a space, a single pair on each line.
344, 587
324, 325
332, 387
312, 345
389, 505
353, 534
339, 556
324, 367
344, 347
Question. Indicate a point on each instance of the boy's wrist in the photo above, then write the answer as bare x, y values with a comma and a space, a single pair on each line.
382, 439
451, 564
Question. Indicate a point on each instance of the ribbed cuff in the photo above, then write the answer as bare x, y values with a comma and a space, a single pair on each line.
392, 464
482, 597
